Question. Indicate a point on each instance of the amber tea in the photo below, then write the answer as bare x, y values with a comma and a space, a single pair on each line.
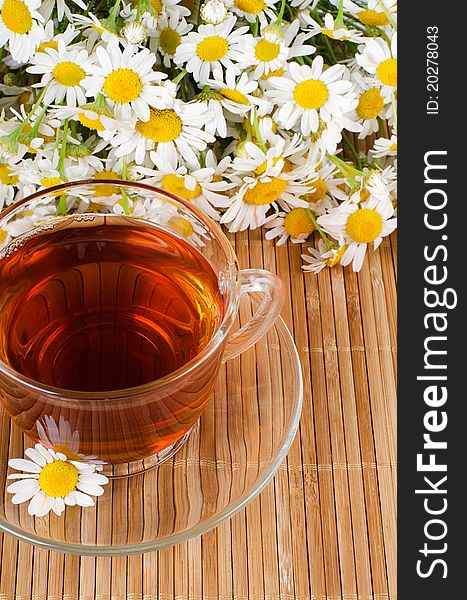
105, 307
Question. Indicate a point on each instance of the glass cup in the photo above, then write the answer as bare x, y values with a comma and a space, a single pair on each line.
140, 426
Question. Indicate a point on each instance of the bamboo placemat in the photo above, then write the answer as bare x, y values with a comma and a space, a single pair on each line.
325, 528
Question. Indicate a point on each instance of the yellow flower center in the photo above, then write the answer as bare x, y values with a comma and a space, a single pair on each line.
157, 6
5, 175
332, 262
50, 181
3, 235
91, 123
285, 169
169, 40
181, 226
68, 73
50, 44
297, 223
58, 478
276, 73
234, 96
310, 94
373, 18
123, 86
265, 192
329, 33
364, 225
266, 51
212, 48
176, 185
387, 72
370, 104
252, 7
16, 16
393, 148
105, 190
163, 126
319, 193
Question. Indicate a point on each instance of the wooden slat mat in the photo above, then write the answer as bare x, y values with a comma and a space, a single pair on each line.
325, 527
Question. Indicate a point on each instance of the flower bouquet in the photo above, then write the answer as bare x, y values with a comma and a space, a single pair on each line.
251, 109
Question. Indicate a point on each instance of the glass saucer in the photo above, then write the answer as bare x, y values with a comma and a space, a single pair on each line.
230, 455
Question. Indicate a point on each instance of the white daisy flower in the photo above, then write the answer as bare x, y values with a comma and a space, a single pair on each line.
8, 182
65, 72
326, 188
377, 58
377, 13
166, 38
329, 134
180, 126
212, 47
358, 224
47, 7
190, 182
51, 38
277, 44
251, 9
135, 33
295, 224
277, 186
51, 482
331, 29
370, 105
385, 147
127, 80
214, 12
94, 30
317, 259
89, 114
307, 94
20, 27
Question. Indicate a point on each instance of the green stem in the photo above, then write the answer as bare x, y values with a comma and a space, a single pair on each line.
281, 13
255, 27
352, 149
259, 140
349, 172
324, 237
330, 50
61, 161
179, 77
340, 16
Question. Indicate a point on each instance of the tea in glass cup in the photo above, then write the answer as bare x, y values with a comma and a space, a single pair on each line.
113, 327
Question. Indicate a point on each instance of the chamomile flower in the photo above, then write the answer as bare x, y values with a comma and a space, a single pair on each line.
329, 134
95, 30
214, 12
331, 28
377, 13
89, 114
307, 94
190, 182
180, 126
20, 27
8, 181
171, 28
65, 73
326, 189
276, 187
358, 224
51, 38
51, 482
385, 147
317, 259
370, 105
295, 224
126, 78
269, 52
379, 59
212, 47
251, 9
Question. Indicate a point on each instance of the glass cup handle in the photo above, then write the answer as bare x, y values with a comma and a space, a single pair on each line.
272, 290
